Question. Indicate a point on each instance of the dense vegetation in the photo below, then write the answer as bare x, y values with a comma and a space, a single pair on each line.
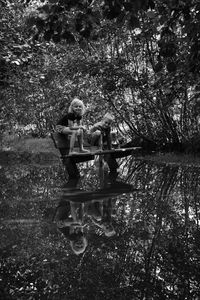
139, 59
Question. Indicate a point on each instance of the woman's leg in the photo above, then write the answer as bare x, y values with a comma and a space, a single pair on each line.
80, 140
100, 144
96, 139
72, 142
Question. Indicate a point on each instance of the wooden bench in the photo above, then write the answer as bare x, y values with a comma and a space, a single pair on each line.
62, 144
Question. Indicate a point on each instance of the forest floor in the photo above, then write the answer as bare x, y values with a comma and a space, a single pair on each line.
43, 149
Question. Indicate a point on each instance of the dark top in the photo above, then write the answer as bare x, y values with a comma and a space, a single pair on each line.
63, 213
69, 116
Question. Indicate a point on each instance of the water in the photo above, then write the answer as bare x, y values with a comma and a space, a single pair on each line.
138, 232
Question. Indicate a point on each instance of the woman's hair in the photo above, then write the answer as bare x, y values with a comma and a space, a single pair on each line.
77, 101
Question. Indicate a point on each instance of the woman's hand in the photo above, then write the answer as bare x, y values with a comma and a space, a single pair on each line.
83, 127
60, 128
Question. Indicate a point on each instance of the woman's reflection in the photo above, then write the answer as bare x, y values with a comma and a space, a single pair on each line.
69, 220
100, 212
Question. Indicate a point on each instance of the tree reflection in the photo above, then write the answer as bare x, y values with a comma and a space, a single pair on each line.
153, 253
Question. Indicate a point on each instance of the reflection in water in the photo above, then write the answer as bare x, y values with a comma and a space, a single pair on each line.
77, 208
101, 215
69, 220
152, 253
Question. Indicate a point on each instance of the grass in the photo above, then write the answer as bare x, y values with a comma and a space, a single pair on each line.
31, 145
46, 145
174, 159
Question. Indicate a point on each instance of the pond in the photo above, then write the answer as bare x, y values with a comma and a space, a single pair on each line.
137, 232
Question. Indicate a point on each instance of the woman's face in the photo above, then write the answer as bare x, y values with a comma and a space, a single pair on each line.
79, 245
77, 108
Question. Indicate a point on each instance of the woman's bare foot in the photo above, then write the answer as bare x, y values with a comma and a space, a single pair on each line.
84, 151
73, 153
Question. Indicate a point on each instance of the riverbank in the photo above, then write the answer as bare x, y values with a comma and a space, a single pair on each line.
172, 158
27, 149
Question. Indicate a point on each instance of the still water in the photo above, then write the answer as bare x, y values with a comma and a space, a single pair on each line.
127, 235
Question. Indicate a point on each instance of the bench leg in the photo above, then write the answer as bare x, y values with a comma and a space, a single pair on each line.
71, 167
112, 163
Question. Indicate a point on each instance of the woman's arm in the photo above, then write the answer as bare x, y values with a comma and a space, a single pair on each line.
94, 128
71, 125
64, 223
80, 125
61, 128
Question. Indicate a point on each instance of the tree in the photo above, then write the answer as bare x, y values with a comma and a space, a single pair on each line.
138, 59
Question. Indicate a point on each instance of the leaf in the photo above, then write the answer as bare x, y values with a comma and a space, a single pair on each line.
17, 62
151, 14
168, 91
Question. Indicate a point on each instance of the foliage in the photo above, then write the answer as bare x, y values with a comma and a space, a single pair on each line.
139, 59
